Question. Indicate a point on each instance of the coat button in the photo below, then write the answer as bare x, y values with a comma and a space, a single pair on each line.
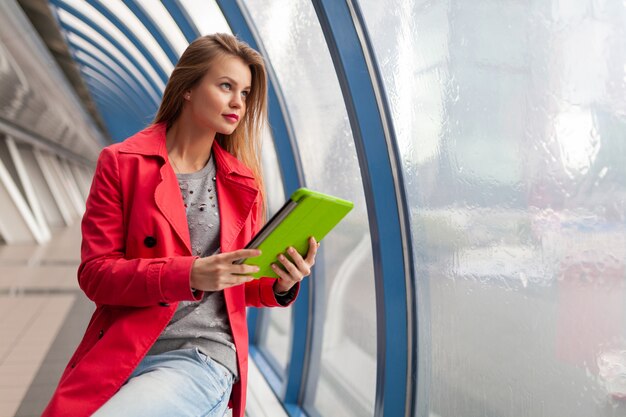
164, 304
149, 241
100, 334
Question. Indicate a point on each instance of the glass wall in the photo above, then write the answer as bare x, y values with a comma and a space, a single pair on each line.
342, 377
510, 119
206, 16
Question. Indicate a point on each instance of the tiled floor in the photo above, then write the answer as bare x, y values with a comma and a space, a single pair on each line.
37, 291
43, 315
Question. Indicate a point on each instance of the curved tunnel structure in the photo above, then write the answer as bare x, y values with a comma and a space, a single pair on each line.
482, 271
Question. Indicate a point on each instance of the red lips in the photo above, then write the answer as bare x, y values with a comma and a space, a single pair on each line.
232, 116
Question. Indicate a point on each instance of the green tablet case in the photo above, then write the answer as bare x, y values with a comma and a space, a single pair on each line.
307, 213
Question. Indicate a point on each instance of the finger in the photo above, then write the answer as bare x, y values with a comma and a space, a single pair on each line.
234, 280
240, 254
303, 267
313, 246
242, 269
281, 273
296, 275
294, 254
243, 279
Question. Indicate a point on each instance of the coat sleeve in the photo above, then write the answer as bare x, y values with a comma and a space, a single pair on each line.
260, 292
104, 274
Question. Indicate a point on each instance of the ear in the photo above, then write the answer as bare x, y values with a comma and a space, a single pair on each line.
187, 95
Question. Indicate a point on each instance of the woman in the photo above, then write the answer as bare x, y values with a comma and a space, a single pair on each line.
168, 212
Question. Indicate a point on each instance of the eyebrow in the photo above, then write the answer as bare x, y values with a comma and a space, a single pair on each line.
231, 80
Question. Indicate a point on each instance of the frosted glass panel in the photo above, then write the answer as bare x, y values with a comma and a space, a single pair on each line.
511, 123
344, 383
206, 16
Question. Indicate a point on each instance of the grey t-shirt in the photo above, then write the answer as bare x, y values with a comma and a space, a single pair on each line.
202, 324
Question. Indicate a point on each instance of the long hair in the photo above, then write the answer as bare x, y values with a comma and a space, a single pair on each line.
245, 142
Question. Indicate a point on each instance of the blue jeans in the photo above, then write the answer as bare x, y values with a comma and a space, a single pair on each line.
178, 383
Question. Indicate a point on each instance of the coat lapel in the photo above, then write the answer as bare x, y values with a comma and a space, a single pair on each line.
151, 142
173, 209
236, 191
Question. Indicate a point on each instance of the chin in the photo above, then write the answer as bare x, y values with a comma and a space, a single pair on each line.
227, 131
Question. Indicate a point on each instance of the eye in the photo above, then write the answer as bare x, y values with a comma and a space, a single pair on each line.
245, 94
225, 85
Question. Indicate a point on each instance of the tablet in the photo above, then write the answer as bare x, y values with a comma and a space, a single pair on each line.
306, 213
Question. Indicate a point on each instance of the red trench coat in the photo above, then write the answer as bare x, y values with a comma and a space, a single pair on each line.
136, 262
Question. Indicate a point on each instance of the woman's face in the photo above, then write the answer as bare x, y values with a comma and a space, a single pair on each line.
218, 102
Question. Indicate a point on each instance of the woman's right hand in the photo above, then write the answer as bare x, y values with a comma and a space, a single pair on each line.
217, 272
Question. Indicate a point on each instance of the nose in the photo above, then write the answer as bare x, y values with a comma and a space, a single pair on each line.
236, 101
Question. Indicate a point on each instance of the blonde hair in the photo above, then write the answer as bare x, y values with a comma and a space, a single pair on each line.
245, 142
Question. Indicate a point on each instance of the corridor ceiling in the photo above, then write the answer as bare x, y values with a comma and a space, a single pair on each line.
125, 51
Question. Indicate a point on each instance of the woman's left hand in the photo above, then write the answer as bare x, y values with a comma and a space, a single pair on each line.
294, 271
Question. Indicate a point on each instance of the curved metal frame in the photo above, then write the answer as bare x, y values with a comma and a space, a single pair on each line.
351, 52
104, 103
154, 29
96, 64
143, 83
132, 37
77, 14
113, 92
180, 16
